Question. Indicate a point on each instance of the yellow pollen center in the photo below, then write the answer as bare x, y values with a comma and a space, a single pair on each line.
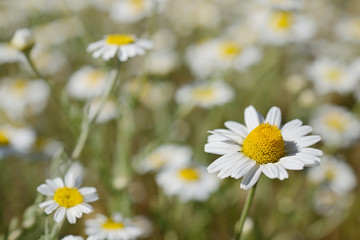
68, 197
204, 93
264, 144
111, 225
282, 20
4, 140
335, 122
334, 75
19, 86
330, 174
119, 39
189, 174
230, 49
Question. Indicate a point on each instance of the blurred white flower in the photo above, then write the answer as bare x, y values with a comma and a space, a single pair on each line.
9, 55
332, 76
334, 173
162, 62
87, 83
282, 4
116, 227
72, 237
22, 97
23, 39
42, 56
279, 27
188, 183
307, 98
327, 202
131, 10
67, 198
164, 157
205, 94
337, 126
262, 146
206, 58
145, 225
109, 110
348, 29
119, 45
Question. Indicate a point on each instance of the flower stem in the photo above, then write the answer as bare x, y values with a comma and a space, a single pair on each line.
239, 226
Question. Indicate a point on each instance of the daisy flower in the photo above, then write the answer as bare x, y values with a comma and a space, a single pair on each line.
327, 202
348, 29
87, 82
329, 75
131, 10
120, 45
67, 198
262, 146
116, 227
337, 125
188, 183
335, 173
164, 157
205, 94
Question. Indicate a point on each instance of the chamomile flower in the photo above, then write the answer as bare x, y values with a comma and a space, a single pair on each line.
332, 76
262, 146
120, 45
280, 27
22, 97
87, 82
164, 157
335, 173
116, 227
348, 29
327, 202
188, 183
67, 198
131, 10
337, 126
108, 112
208, 57
9, 55
205, 94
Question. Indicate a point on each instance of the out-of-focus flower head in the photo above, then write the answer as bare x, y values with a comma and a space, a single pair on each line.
109, 110
131, 10
23, 40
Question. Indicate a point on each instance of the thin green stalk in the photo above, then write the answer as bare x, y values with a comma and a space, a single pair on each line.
239, 226
87, 122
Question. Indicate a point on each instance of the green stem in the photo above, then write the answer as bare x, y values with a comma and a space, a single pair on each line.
87, 122
33, 68
239, 226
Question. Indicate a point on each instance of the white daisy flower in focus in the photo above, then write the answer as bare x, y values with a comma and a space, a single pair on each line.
335, 173
332, 76
120, 45
21, 97
67, 198
205, 94
164, 157
280, 27
188, 183
87, 82
108, 112
131, 10
348, 29
72, 237
23, 39
262, 146
337, 126
116, 227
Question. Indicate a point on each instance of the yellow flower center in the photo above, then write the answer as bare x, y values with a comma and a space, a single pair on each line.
335, 121
157, 160
189, 174
19, 86
68, 197
4, 140
282, 20
264, 144
111, 225
138, 4
119, 39
334, 74
230, 49
330, 174
204, 93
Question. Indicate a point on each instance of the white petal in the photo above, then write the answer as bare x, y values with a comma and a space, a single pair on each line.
307, 141
290, 125
45, 189
270, 170
296, 133
70, 216
95, 45
110, 53
274, 116
147, 44
252, 118
308, 159
85, 208
243, 169
100, 51
227, 158
282, 171
59, 182
46, 203
229, 169
251, 178
292, 163
51, 207
221, 148
229, 135
87, 190
70, 180
238, 128
59, 214
312, 151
